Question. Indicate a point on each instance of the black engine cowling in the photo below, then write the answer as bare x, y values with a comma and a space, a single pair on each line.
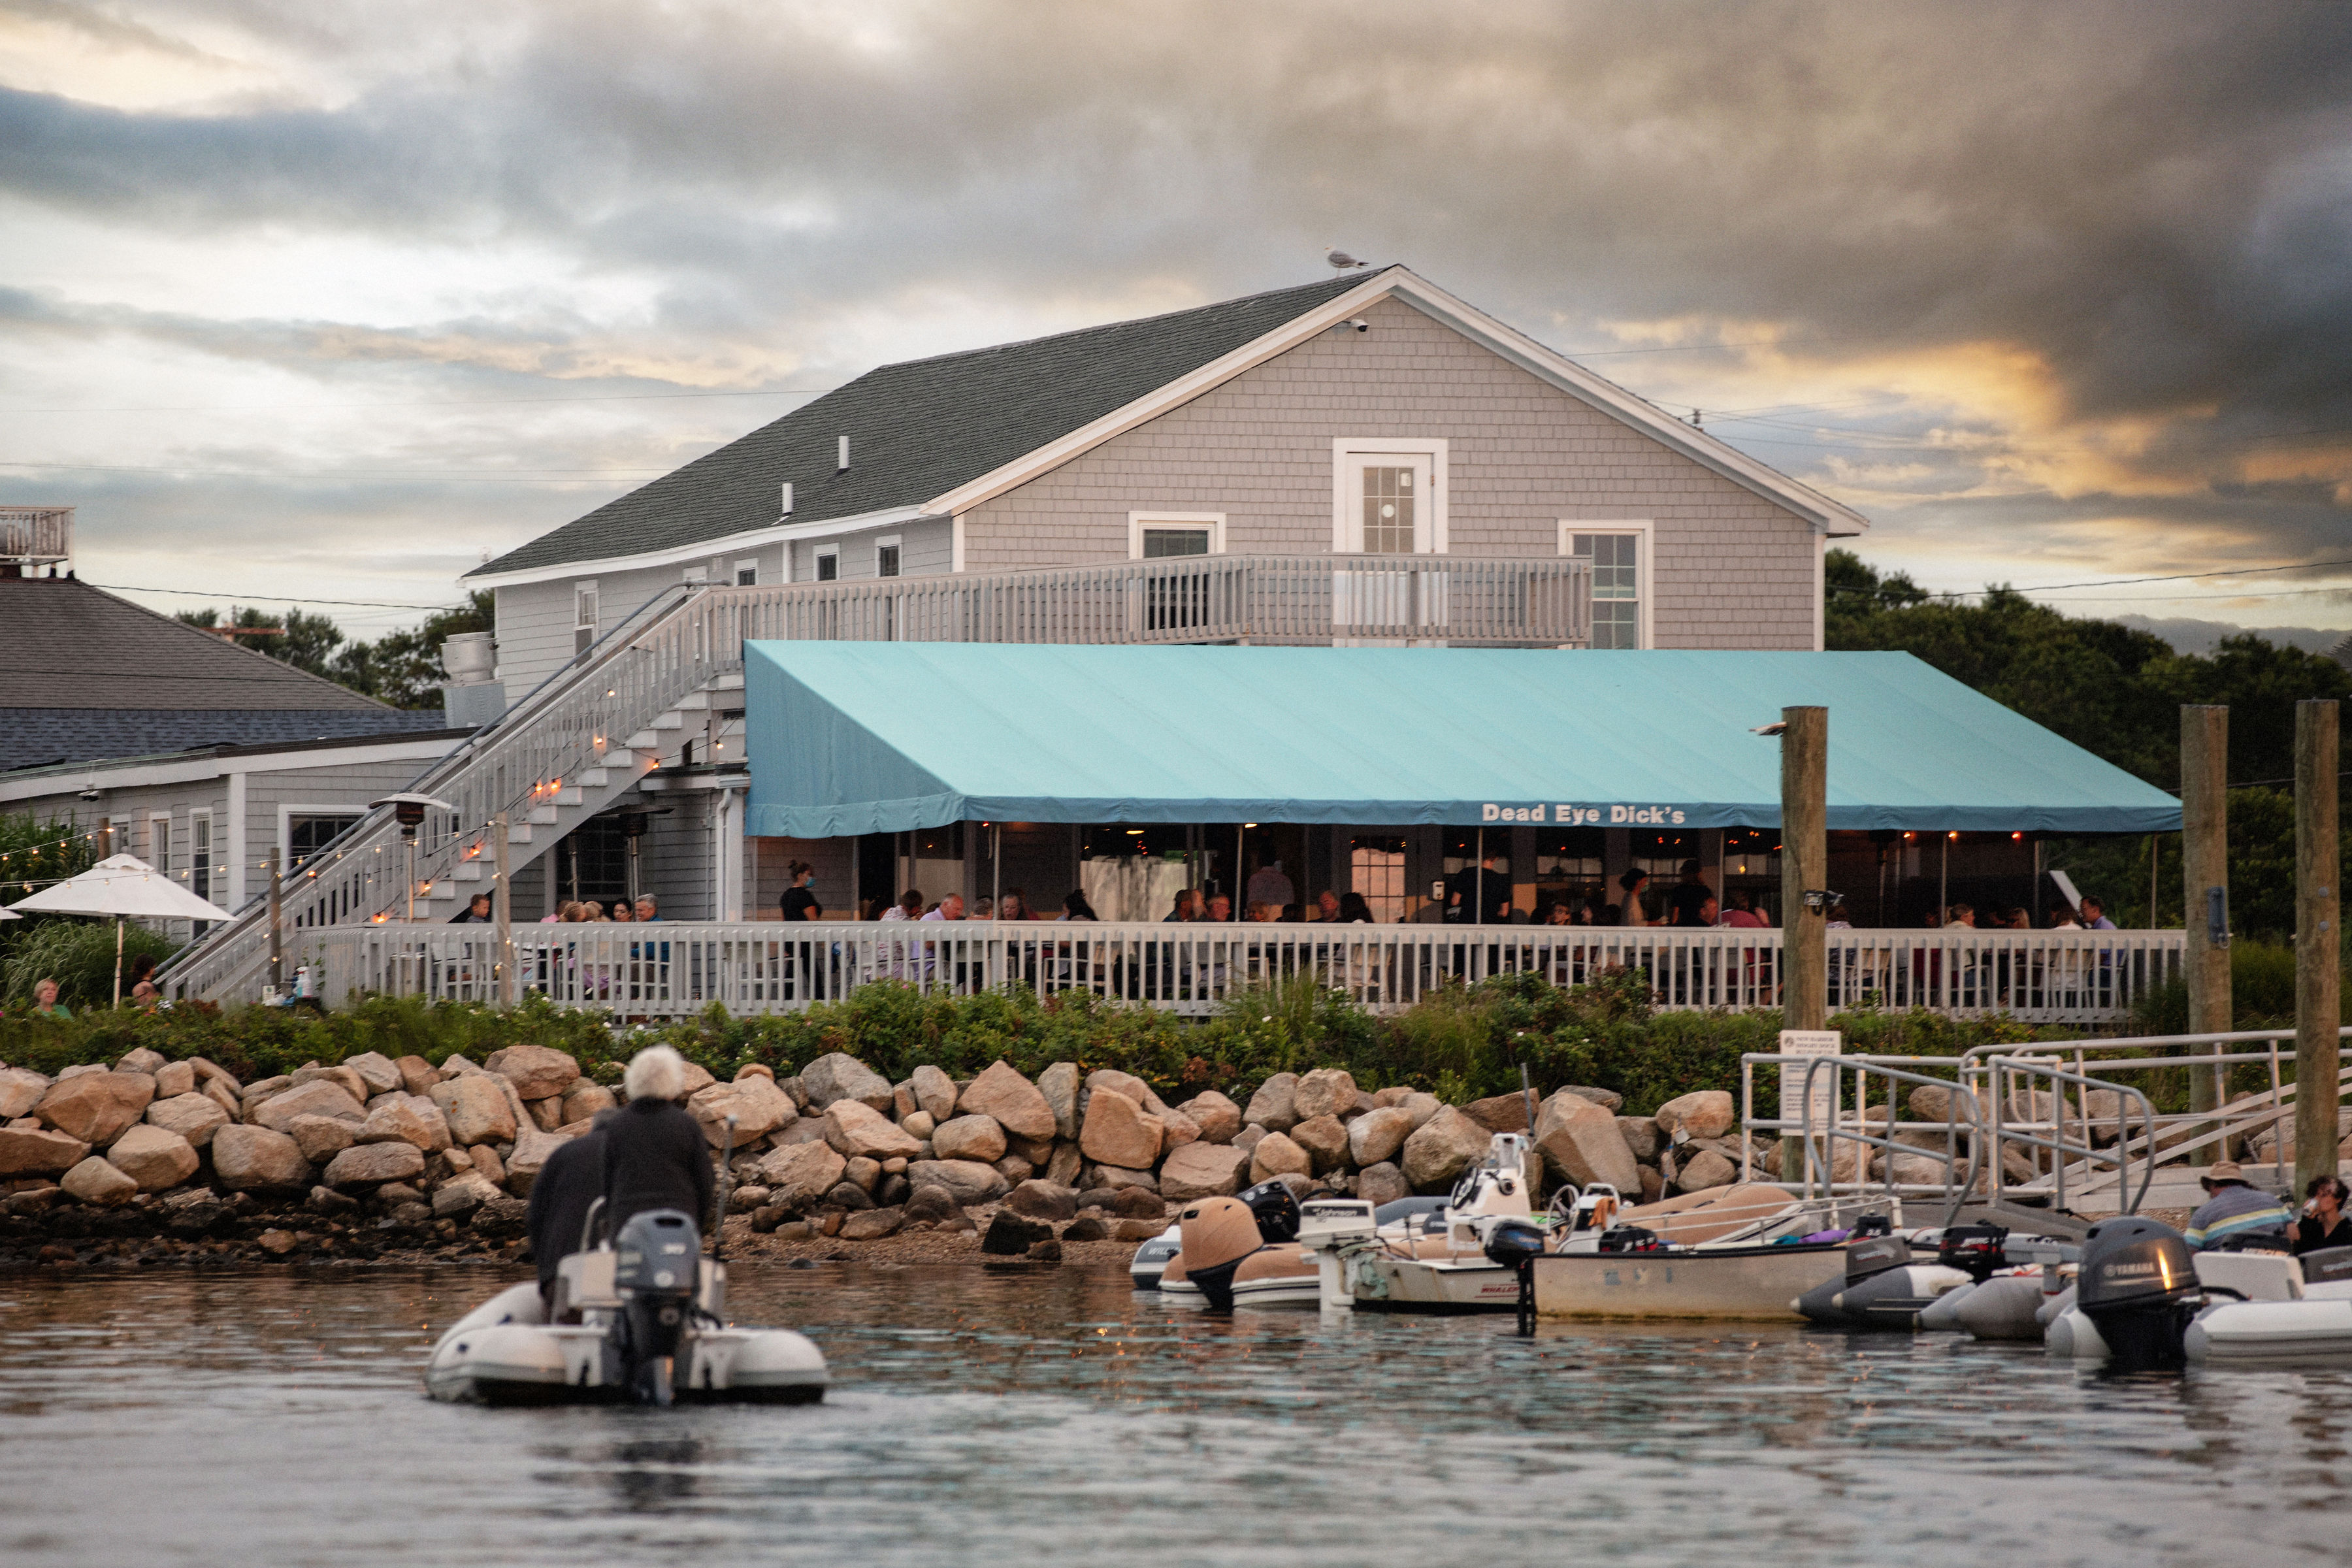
2138, 1285
1511, 1242
1977, 1250
1276, 1208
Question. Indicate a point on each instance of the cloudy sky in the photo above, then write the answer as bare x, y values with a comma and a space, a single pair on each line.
327, 301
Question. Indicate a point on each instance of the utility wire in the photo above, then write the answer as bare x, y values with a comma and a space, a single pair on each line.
425, 402
2105, 582
258, 599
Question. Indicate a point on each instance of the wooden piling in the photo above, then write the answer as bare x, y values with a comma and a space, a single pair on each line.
2318, 940
2205, 884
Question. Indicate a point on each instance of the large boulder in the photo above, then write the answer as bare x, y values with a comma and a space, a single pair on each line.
1118, 1132
1203, 1170
933, 1091
1499, 1112
832, 1079
857, 1130
1447, 1145
95, 1107
531, 1149
462, 1194
153, 1158
38, 1151
378, 1071
255, 1158
1608, 1100
174, 1079
1381, 1183
969, 1138
755, 1102
373, 1164
1703, 1113
1017, 1105
1326, 1091
477, 1109
1059, 1085
872, 1224
1421, 1106
1377, 1135
1277, 1154
194, 1117
1580, 1143
20, 1089
321, 1138
1274, 1105
798, 1175
416, 1074
1643, 1139
319, 1097
967, 1181
1708, 1169
1043, 1201
98, 1183
395, 1119
1217, 1117
583, 1100
536, 1071
140, 1060
1325, 1139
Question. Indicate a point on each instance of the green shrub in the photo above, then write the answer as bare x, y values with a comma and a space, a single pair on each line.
79, 954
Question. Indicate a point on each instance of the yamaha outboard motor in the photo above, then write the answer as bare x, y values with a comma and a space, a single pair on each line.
1276, 1208
1976, 1250
657, 1262
2138, 1287
1515, 1244
1218, 1234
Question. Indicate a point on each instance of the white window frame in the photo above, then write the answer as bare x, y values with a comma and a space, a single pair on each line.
584, 597
161, 859
890, 542
753, 566
821, 555
201, 848
1646, 574
288, 810
1350, 455
1137, 522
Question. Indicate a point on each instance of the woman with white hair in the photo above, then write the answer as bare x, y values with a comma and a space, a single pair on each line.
656, 1156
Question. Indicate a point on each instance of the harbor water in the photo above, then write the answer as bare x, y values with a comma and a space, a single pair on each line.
1039, 1415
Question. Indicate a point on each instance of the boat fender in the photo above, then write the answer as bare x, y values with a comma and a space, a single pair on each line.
2005, 1306
1218, 1232
1941, 1316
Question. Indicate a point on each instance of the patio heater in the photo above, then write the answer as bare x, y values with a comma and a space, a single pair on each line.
408, 810
634, 821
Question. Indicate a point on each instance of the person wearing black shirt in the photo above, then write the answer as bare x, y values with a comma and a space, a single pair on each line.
567, 1187
1480, 886
656, 1156
1686, 902
2323, 1223
800, 904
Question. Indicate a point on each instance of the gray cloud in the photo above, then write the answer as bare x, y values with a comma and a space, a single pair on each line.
2144, 203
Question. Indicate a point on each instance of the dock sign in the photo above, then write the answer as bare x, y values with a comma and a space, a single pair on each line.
1807, 1043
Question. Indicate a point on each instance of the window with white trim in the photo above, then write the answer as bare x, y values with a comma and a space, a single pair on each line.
159, 842
583, 618
1389, 498
885, 556
309, 830
828, 565
1620, 555
1163, 535
747, 573
200, 854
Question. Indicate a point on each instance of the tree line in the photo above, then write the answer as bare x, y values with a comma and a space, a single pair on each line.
402, 667
2118, 693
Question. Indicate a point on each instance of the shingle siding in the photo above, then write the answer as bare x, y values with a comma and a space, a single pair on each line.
1730, 568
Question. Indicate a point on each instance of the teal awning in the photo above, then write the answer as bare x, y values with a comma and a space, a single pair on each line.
866, 737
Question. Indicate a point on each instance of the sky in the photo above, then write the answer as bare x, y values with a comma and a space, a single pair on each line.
331, 301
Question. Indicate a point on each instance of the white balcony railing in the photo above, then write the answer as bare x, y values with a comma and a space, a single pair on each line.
36, 535
678, 968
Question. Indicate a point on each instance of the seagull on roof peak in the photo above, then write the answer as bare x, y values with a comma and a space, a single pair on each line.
1342, 260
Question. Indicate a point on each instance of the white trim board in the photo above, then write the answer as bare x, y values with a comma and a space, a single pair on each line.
1137, 520
749, 539
176, 771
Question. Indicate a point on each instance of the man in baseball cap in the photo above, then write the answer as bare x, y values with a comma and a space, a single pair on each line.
2237, 1218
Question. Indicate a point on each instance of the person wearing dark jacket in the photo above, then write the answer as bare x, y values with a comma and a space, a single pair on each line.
656, 1156
567, 1187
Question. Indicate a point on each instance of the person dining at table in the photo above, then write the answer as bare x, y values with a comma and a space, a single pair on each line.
2324, 1224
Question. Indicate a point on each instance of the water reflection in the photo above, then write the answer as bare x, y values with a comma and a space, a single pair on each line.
1051, 1416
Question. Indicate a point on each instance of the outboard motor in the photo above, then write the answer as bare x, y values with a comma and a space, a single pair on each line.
1976, 1250
2138, 1288
1276, 1208
1882, 1289
1515, 1244
1218, 1234
2329, 1266
657, 1262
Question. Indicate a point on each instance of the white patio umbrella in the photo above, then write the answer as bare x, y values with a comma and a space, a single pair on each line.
125, 887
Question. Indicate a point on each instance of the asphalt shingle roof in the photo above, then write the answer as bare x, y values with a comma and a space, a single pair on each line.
918, 429
37, 737
64, 644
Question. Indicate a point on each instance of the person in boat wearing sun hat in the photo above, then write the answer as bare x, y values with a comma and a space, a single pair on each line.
2235, 1217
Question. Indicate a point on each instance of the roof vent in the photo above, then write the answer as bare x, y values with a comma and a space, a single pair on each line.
842, 465
788, 500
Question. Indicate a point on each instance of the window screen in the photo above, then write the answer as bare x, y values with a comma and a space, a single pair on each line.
1616, 586
1161, 543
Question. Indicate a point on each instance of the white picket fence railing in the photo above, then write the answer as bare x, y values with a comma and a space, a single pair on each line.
678, 968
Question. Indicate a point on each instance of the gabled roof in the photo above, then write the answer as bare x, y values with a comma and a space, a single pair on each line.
64, 644
916, 429
934, 437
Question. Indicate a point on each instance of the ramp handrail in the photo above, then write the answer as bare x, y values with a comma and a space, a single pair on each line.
2059, 1147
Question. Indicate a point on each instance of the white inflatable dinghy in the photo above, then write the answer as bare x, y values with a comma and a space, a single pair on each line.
642, 1320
